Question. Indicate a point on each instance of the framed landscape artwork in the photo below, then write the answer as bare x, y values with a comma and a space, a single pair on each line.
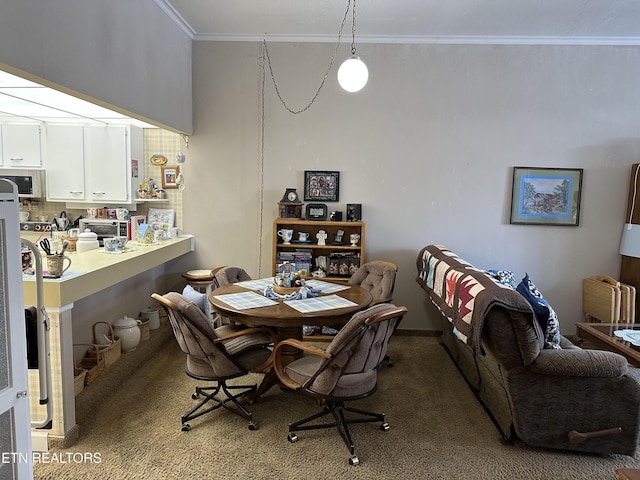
546, 196
321, 186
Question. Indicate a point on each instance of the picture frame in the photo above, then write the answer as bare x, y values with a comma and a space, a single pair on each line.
170, 176
321, 186
546, 196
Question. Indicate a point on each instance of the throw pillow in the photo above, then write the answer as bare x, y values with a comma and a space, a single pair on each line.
200, 299
545, 315
503, 277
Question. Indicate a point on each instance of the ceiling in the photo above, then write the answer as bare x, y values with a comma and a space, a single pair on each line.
24, 101
583, 22
414, 21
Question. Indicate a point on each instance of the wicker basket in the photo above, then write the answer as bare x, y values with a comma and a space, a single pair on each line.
93, 367
79, 374
109, 353
144, 329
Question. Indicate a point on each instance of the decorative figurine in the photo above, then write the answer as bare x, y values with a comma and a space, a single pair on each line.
322, 237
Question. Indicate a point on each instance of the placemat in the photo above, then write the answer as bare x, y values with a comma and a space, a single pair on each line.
244, 300
259, 284
317, 304
326, 287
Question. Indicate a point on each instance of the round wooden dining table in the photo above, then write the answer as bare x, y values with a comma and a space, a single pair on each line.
287, 320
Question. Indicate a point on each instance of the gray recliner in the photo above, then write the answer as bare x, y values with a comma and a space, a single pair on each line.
216, 355
346, 370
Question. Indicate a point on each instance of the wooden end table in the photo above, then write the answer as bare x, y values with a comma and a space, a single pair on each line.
601, 336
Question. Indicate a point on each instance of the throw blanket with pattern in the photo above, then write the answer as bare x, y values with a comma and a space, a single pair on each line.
463, 293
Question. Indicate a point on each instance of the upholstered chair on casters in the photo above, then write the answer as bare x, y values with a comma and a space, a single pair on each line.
347, 370
217, 355
227, 275
379, 277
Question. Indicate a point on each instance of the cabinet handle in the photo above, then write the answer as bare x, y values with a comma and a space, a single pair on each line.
74, 192
16, 159
99, 193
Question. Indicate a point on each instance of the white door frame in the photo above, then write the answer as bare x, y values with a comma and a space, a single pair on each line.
13, 397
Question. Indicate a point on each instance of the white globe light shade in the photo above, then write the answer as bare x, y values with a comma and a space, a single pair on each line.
353, 74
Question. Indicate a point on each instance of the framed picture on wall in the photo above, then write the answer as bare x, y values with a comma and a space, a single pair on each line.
170, 176
321, 186
546, 196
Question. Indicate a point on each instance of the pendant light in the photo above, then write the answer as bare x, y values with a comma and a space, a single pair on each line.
353, 73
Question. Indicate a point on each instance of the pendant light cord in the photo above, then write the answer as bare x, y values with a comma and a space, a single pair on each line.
335, 52
265, 58
353, 29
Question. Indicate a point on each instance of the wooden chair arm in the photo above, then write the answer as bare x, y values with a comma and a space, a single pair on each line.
387, 314
278, 366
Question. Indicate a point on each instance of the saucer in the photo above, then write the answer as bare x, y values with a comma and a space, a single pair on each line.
301, 241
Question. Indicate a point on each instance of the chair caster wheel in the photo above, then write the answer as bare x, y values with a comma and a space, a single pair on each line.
353, 460
292, 437
195, 396
384, 427
186, 427
253, 425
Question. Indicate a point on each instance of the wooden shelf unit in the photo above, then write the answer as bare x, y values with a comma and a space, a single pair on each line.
312, 227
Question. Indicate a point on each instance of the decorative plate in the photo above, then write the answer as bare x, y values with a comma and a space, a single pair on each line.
158, 159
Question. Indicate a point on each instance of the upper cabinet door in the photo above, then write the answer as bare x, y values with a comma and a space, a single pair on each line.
64, 160
107, 164
21, 145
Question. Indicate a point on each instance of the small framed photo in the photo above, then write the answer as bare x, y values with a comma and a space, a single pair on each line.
170, 176
546, 196
321, 186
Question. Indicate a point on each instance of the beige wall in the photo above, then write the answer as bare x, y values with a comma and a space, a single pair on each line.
129, 56
428, 149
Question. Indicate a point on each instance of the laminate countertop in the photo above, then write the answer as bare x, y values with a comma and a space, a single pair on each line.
95, 270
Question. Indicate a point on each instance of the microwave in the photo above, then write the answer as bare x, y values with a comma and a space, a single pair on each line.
106, 228
30, 182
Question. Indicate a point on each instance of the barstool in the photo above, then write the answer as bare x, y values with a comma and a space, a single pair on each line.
204, 281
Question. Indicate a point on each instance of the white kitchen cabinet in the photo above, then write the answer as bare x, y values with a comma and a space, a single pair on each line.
64, 162
21, 145
107, 164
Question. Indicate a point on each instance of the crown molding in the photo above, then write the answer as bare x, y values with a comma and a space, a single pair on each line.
173, 14
435, 40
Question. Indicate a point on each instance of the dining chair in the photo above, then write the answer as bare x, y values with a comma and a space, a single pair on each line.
379, 277
216, 355
347, 370
227, 275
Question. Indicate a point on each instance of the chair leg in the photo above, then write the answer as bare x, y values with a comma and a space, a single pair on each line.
230, 402
341, 422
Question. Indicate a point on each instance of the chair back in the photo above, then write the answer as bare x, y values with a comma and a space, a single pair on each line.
356, 352
378, 277
228, 275
195, 335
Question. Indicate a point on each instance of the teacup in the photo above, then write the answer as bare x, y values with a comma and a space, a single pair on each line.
122, 213
354, 237
286, 235
303, 236
24, 216
55, 264
112, 244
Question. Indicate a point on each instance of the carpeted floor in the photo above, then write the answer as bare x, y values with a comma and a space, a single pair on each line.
438, 430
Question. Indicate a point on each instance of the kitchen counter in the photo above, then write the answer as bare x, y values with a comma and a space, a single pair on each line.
90, 273
95, 270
